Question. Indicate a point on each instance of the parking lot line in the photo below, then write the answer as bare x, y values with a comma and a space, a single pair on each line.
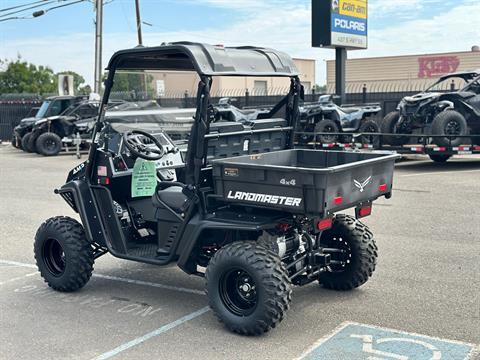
152, 334
120, 279
18, 278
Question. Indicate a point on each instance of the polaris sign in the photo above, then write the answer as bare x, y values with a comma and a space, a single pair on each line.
340, 23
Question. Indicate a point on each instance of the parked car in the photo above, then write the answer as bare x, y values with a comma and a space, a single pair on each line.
448, 115
326, 116
52, 106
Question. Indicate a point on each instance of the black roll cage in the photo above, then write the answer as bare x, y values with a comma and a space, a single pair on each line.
207, 61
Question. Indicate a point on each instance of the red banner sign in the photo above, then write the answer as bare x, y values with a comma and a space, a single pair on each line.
434, 66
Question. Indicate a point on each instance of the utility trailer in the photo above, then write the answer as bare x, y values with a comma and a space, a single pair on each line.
417, 144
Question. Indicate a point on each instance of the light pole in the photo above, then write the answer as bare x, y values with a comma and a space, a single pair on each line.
139, 22
98, 45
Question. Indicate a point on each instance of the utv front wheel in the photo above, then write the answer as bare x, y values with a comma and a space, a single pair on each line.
452, 125
248, 288
353, 253
63, 254
49, 144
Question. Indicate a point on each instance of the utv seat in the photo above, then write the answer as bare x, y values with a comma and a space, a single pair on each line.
173, 197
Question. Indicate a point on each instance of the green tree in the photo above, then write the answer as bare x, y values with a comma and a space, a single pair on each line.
320, 89
22, 77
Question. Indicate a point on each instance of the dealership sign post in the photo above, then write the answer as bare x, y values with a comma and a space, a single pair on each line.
342, 25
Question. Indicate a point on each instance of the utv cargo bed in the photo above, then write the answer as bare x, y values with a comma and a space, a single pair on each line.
313, 182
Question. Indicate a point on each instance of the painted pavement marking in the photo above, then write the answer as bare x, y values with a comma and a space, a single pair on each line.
18, 278
116, 278
354, 341
152, 334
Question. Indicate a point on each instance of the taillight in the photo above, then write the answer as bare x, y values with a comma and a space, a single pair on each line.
324, 224
338, 200
363, 211
382, 187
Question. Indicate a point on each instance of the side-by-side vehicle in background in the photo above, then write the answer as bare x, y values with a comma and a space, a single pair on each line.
240, 207
446, 114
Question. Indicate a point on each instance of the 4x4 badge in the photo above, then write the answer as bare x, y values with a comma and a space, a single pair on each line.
362, 185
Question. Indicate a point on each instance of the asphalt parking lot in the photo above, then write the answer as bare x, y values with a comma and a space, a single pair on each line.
427, 281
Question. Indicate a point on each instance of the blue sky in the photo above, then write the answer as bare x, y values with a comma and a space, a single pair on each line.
63, 38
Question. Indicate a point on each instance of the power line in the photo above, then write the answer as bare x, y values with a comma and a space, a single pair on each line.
45, 2
43, 12
19, 6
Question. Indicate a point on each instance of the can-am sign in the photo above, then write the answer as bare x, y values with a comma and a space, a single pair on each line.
340, 23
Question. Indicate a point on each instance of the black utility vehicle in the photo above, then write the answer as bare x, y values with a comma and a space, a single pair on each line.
52, 106
48, 134
253, 219
329, 119
448, 114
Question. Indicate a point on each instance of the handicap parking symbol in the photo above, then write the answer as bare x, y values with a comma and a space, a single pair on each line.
353, 341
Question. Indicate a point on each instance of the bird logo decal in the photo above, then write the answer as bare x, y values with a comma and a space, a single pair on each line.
361, 185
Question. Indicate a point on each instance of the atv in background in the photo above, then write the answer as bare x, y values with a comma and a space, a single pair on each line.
327, 117
49, 134
449, 115
52, 106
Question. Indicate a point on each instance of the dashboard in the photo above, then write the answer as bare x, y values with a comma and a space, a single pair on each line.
123, 161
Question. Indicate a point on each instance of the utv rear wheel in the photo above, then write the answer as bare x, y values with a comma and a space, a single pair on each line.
327, 126
49, 144
26, 142
355, 254
452, 124
440, 158
63, 254
248, 288
388, 125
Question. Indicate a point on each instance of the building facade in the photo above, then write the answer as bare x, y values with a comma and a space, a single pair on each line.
402, 73
177, 83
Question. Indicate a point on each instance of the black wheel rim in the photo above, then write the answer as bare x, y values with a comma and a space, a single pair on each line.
50, 145
327, 138
54, 257
369, 139
340, 254
238, 292
453, 128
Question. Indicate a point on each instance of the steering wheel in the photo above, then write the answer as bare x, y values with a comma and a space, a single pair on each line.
137, 147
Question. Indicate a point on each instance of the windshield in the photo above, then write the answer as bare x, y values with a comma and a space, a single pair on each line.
43, 109
449, 84
154, 98
474, 86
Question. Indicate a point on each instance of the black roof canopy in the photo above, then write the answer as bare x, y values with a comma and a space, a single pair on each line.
466, 75
206, 59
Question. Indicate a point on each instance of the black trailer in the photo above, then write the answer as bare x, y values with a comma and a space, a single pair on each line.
419, 144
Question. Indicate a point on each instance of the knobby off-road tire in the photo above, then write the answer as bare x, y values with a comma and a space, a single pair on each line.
440, 158
49, 144
26, 142
248, 288
63, 254
449, 122
360, 255
369, 126
388, 127
327, 126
